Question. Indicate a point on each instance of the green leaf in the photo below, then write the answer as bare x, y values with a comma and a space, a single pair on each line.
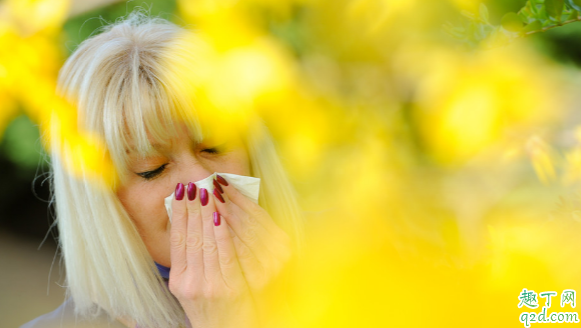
455, 31
574, 4
533, 27
511, 22
20, 143
554, 8
525, 16
484, 13
481, 32
574, 15
468, 14
542, 16
533, 7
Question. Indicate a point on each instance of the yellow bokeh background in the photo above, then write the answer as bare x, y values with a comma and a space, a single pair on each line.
437, 182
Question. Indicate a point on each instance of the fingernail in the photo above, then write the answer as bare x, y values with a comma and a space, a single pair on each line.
218, 186
219, 196
191, 191
221, 180
204, 196
179, 191
216, 219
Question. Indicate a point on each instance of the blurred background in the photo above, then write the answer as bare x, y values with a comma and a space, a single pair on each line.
435, 146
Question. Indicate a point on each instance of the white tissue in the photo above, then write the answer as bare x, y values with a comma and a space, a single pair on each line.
248, 186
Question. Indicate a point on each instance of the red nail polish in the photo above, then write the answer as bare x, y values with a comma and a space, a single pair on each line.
216, 219
179, 195
217, 186
191, 191
204, 196
221, 180
219, 196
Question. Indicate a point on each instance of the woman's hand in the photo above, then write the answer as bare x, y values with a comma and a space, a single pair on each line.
262, 247
205, 275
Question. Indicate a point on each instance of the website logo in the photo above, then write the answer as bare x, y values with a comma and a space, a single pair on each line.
530, 299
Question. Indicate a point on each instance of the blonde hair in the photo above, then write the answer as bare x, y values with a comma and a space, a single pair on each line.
126, 90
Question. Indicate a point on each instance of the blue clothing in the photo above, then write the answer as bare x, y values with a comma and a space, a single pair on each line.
163, 270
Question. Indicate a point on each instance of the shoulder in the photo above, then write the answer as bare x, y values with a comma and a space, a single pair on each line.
64, 317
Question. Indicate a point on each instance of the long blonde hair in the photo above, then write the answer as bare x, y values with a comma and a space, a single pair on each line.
126, 90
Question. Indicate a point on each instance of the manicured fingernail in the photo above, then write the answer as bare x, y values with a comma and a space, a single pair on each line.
221, 180
179, 191
216, 219
204, 196
219, 196
217, 186
191, 191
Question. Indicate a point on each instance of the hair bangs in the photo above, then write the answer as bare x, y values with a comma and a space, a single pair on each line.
144, 110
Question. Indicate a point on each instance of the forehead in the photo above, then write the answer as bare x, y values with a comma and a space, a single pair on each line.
164, 141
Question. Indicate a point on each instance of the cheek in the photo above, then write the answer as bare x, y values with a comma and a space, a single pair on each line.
237, 163
147, 211
145, 208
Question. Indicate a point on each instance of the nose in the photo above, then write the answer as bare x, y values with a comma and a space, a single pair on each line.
189, 168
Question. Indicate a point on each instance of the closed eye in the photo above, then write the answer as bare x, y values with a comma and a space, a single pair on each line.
215, 150
149, 175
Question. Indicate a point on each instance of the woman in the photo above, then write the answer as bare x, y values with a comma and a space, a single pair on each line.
134, 86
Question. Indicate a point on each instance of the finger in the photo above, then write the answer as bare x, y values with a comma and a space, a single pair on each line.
246, 225
177, 232
257, 234
252, 238
254, 211
194, 239
231, 271
209, 248
229, 209
247, 229
252, 268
